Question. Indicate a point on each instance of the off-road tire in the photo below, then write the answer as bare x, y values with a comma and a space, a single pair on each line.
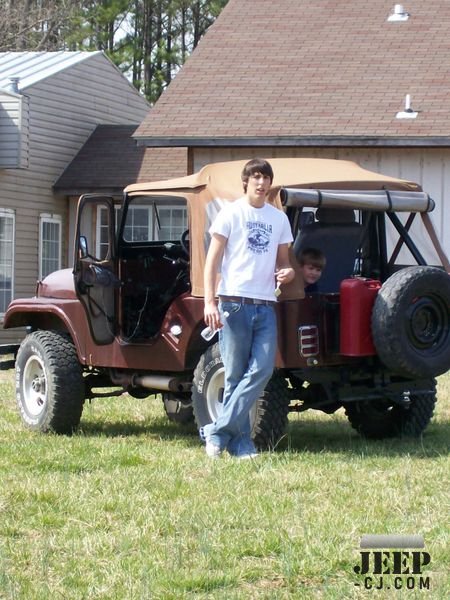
49, 383
380, 419
411, 322
178, 408
269, 416
272, 409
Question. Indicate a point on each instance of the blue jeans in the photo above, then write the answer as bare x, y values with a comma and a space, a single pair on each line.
248, 343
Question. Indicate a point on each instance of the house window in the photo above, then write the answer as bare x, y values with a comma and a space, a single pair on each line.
138, 226
142, 225
102, 233
173, 221
7, 226
149, 221
49, 245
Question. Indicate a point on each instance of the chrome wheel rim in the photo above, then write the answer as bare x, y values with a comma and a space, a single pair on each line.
34, 391
214, 396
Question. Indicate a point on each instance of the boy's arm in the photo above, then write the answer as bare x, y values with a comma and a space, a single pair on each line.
213, 260
284, 272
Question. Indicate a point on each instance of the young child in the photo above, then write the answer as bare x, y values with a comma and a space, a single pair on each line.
312, 263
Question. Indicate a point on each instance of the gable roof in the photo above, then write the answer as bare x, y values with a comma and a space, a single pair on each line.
32, 67
111, 160
301, 73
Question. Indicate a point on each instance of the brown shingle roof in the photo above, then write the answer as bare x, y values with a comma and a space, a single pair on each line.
309, 69
111, 160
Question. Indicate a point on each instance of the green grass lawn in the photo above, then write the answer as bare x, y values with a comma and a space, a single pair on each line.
131, 508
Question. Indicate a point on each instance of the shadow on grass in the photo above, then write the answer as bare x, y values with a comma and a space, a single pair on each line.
338, 436
160, 428
316, 436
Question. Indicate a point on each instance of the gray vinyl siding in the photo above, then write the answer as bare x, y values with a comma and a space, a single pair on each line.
13, 131
64, 109
428, 166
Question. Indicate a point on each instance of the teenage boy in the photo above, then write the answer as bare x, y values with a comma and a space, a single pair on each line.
249, 245
312, 263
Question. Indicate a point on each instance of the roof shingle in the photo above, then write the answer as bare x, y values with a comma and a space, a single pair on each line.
111, 160
299, 68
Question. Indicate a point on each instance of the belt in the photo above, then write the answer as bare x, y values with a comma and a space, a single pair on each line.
247, 300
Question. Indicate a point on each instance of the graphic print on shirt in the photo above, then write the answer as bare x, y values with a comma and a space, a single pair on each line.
258, 236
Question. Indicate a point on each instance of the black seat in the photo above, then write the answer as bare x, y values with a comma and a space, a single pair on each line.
338, 236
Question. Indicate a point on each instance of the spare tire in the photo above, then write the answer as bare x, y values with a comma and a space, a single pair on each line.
411, 322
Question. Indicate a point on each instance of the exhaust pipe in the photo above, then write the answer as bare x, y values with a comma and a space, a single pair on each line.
161, 382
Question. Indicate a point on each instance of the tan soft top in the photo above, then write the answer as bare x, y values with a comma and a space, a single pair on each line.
224, 179
207, 190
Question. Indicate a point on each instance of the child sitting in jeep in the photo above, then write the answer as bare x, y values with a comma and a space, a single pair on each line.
312, 263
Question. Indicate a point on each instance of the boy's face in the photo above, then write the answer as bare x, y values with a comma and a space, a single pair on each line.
258, 186
310, 273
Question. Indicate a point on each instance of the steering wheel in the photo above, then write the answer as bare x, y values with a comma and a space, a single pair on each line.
184, 241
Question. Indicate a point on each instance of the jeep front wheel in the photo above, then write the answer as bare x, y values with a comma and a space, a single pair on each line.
49, 383
384, 418
268, 417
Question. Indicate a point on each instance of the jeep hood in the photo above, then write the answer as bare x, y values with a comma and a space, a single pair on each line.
58, 284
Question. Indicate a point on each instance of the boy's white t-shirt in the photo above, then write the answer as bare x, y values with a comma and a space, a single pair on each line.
249, 260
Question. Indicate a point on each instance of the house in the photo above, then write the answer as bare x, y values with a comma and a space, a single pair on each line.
108, 162
50, 104
359, 80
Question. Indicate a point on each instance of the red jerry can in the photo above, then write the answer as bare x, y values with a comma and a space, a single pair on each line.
357, 299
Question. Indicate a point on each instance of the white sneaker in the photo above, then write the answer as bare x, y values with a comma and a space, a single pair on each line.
212, 450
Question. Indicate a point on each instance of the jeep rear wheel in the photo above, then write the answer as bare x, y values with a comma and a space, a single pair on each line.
411, 322
49, 383
269, 415
384, 418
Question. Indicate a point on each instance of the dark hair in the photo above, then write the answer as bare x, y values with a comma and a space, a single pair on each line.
256, 165
312, 256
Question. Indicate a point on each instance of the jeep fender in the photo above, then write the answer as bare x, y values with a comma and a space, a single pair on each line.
38, 313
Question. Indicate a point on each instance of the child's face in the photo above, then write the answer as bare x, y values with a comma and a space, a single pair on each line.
311, 274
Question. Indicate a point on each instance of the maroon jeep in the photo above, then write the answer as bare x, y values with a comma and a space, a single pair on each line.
130, 313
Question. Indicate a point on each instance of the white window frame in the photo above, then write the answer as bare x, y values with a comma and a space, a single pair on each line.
171, 208
8, 213
98, 225
43, 219
152, 224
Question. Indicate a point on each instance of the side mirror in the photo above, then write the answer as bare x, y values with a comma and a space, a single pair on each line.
83, 250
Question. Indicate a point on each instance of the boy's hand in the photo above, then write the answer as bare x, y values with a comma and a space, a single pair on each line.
211, 315
285, 275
